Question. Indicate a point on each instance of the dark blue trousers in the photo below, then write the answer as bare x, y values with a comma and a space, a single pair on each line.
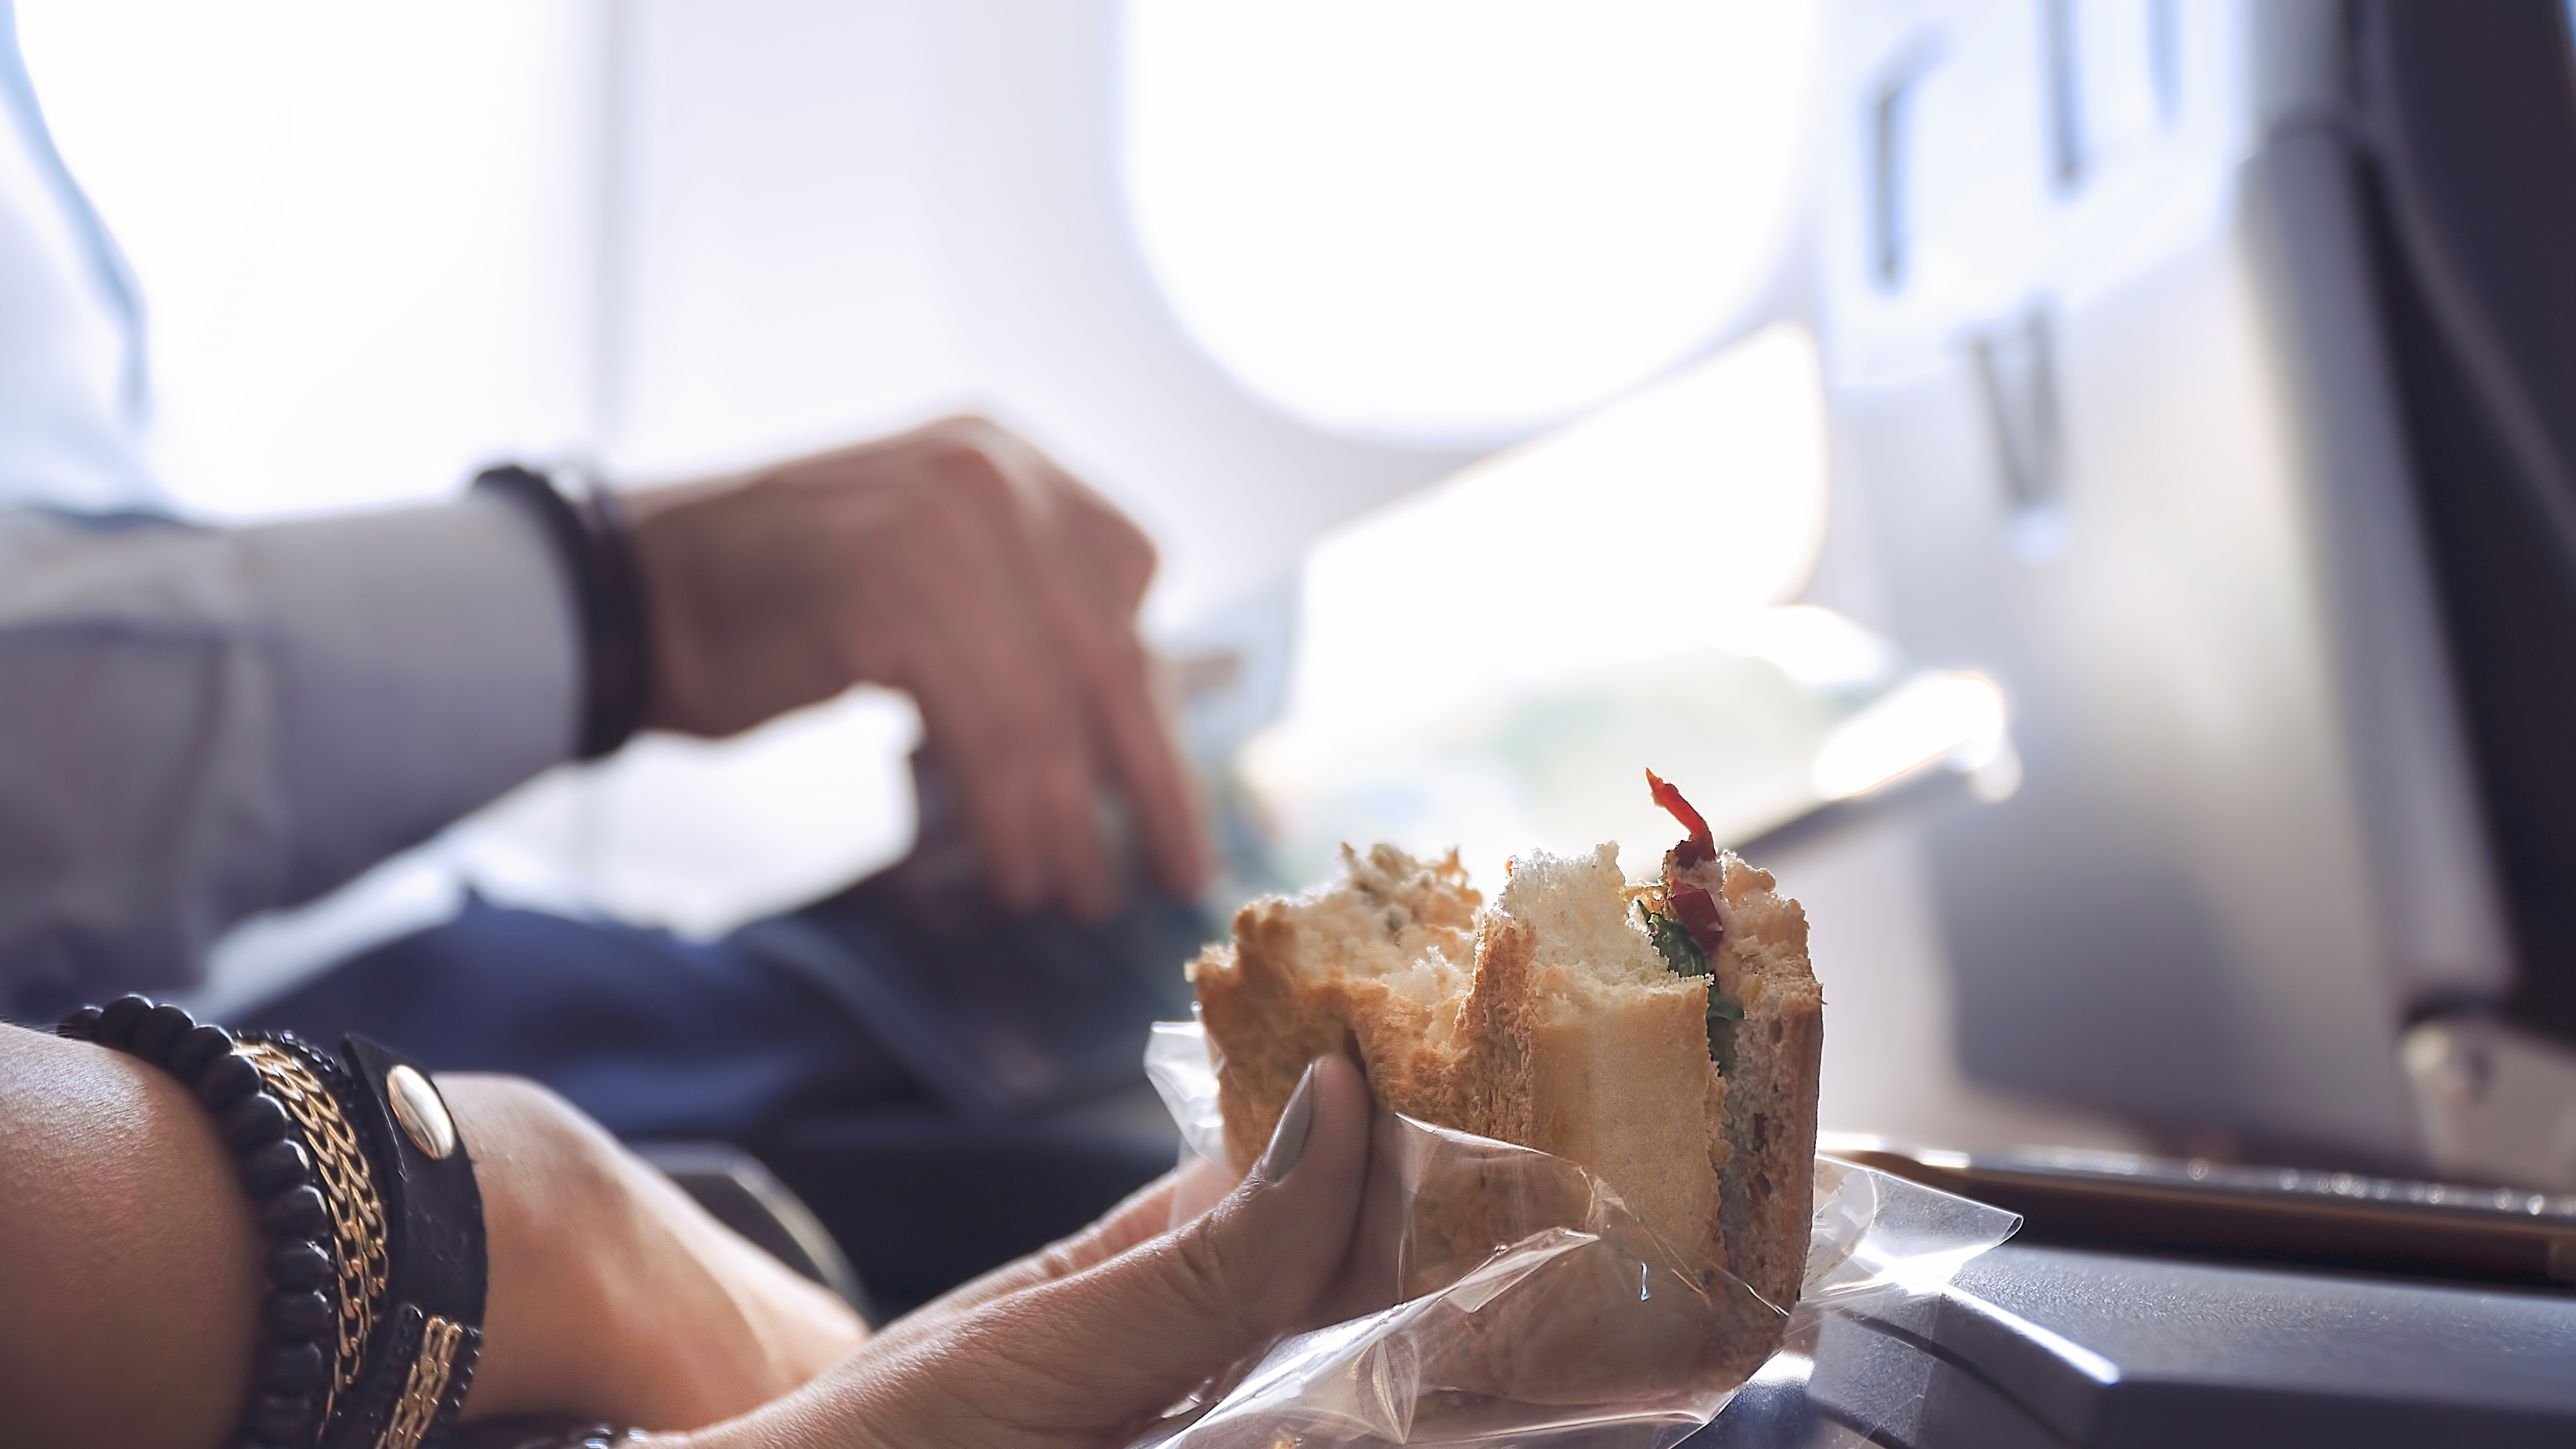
927, 1075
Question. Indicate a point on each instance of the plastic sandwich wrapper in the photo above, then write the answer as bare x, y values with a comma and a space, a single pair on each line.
1581, 1326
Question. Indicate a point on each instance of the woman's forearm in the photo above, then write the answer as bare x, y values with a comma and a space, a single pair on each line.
129, 1260
613, 1296
130, 1267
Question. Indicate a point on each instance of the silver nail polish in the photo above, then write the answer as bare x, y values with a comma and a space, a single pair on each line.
1289, 1142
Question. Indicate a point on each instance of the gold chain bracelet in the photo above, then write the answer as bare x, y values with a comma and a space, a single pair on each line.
348, 1187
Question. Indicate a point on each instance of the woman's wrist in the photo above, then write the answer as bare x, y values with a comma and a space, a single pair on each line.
613, 1296
547, 1227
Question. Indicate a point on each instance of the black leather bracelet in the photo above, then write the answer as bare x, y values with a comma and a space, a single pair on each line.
591, 537
371, 1321
421, 1363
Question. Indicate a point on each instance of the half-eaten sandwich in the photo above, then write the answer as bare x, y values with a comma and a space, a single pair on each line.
1665, 1037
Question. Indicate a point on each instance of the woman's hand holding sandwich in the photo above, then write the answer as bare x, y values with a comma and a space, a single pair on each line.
1086, 1343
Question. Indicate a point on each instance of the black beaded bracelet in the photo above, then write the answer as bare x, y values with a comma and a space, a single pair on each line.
591, 536
372, 1319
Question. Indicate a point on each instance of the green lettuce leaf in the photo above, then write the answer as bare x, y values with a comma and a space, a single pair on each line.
1684, 957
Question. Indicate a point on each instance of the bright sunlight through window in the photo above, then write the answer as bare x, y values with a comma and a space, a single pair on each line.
1649, 527
1459, 220
1486, 664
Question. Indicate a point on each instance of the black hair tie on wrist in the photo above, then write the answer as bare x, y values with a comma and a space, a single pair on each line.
372, 1319
590, 535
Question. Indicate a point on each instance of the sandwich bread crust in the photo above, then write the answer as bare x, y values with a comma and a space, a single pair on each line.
1767, 1177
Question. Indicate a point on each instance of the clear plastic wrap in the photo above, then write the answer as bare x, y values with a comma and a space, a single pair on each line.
1584, 1323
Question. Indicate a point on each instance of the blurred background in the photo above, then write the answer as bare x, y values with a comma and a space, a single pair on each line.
2064, 483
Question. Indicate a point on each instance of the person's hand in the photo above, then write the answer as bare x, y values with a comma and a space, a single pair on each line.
1087, 1342
958, 564
613, 1296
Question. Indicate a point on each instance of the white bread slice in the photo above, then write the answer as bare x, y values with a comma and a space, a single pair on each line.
1621, 1081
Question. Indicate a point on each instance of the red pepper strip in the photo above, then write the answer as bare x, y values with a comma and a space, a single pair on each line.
1697, 911
1691, 904
1701, 845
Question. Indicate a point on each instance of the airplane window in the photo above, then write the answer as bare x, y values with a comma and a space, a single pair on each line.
1460, 220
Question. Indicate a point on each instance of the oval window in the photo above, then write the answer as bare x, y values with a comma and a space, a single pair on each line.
1456, 221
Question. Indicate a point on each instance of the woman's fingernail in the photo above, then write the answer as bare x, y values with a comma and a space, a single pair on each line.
1289, 1142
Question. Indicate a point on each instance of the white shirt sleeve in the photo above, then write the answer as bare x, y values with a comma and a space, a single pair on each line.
200, 723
